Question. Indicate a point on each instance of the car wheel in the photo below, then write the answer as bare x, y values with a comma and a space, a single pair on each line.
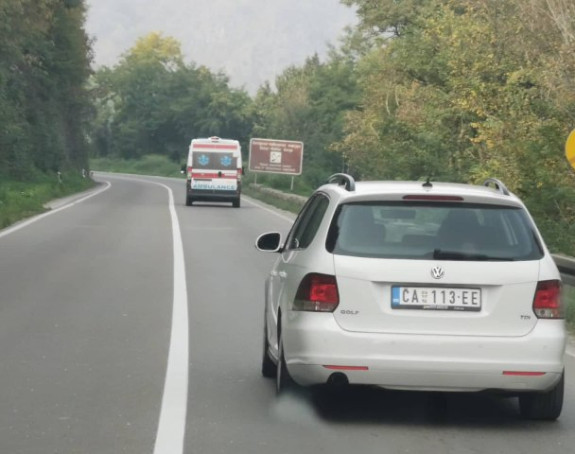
543, 406
189, 201
236, 203
284, 382
269, 368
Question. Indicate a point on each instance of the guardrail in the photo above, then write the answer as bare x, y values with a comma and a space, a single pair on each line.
566, 267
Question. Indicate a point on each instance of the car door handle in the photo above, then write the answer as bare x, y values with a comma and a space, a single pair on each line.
282, 274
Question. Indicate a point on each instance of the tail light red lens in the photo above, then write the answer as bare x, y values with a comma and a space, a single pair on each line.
547, 302
317, 293
189, 172
515, 373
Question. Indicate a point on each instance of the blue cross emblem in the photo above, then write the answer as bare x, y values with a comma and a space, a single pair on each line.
226, 161
204, 160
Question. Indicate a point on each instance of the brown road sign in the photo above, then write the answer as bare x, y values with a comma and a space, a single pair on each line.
276, 156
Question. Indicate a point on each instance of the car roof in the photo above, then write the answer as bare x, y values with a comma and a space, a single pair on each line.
396, 190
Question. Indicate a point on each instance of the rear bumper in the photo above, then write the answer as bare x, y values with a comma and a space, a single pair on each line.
213, 194
423, 362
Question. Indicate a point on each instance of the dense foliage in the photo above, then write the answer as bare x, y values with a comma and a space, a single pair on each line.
309, 105
152, 102
463, 90
44, 105
458, 90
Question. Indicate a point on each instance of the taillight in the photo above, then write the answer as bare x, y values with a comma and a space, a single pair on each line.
317, 293
547, 302
189, 171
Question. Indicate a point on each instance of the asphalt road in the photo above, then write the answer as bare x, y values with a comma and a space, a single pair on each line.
116, 336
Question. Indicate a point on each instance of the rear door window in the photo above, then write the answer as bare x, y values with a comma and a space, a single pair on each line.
308, 222
440, 231
214, 161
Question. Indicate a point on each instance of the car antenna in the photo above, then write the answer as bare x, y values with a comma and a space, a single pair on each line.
427, 183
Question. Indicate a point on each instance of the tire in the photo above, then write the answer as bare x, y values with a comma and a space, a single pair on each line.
269, 368
236, 203
284, 382
188, 201
545, 406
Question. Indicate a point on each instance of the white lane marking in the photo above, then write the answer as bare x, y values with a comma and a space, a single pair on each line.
263, 207
172, 423
34, 219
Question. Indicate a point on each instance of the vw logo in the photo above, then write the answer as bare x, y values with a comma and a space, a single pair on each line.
437, 272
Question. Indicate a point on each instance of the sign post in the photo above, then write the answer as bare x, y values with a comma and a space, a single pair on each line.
276, 156
570, 149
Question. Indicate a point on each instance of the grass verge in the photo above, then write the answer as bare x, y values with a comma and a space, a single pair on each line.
19, 200
275, 199
157, 165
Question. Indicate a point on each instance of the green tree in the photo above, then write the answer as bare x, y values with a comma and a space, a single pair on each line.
384, 17
152, 102
467, 90
309, 105
43, 103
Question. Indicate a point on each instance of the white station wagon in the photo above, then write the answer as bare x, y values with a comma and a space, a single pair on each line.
416, 286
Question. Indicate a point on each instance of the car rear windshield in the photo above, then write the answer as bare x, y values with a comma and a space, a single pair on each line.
438, 231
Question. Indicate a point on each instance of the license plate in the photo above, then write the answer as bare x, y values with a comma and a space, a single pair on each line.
438, 298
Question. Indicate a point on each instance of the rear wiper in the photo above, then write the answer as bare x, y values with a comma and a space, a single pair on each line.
438, 254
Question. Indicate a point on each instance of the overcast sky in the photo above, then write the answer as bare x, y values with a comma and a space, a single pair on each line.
250, 40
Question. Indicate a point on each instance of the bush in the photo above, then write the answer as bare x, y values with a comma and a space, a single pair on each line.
19, 200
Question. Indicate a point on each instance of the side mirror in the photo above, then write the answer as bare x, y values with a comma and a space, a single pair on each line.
269, 242
183, 169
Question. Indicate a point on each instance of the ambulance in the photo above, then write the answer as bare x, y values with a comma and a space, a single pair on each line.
214, 171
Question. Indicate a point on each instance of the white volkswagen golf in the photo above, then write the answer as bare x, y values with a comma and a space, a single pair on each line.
416, 286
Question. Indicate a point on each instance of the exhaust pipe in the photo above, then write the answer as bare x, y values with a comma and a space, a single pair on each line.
337, 379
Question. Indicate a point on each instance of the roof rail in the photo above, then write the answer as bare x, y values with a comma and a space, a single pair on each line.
343, 179
499, 186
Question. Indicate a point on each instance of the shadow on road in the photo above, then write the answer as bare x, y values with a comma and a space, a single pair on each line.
361, 405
